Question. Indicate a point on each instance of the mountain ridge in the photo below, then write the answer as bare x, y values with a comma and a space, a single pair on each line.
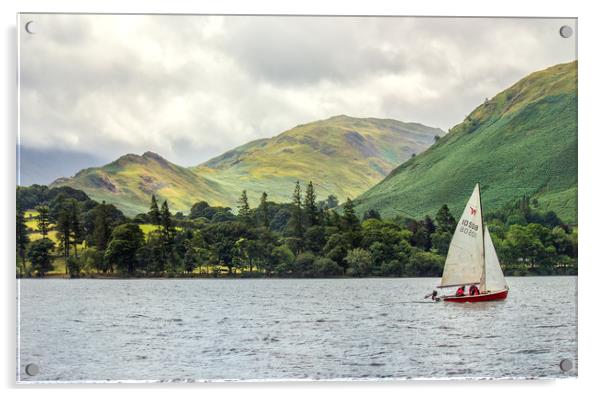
342, 155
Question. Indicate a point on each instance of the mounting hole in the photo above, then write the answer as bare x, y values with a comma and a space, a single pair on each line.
566, 31
32, 369
30, 27
566, 365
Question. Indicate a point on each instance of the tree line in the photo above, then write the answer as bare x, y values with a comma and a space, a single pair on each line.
302, 238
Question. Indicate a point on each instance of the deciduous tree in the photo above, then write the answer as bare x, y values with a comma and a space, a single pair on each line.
125, 242
39, 255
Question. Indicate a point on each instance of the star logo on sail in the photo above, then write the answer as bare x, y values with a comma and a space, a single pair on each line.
473, 211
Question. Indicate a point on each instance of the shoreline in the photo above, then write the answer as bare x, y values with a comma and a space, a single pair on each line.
66, 277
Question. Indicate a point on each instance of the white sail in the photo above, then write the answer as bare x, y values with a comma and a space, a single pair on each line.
464, 263
494, 276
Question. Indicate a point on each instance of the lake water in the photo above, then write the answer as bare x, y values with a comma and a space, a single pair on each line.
291, 329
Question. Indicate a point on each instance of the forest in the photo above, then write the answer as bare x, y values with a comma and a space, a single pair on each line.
61, 232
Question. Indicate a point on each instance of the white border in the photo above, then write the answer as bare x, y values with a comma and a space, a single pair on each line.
590, 144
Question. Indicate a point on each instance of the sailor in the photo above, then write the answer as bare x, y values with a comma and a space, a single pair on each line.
432, 295
460, 291
474, 290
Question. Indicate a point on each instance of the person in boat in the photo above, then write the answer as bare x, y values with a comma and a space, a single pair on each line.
474, 290
460, 291
432, 295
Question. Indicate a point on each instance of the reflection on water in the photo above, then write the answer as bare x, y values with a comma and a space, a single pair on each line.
285, 329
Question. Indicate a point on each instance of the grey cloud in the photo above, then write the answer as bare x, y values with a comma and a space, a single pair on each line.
305, 50
191, 87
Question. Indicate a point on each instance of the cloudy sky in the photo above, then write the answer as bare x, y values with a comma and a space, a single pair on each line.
191, 87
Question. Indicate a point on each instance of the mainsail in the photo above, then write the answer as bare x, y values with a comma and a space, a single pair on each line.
465, 258
471, 258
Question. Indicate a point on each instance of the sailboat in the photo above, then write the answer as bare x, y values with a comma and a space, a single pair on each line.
471, 258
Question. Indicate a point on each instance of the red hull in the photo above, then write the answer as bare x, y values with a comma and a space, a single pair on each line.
492, 296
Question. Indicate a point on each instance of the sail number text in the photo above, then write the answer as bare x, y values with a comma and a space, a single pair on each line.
469, 228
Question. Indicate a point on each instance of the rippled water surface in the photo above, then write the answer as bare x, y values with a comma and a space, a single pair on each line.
291, 329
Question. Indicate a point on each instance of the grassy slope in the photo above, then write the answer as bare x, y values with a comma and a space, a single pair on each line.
342, 155
129, 182
523, 141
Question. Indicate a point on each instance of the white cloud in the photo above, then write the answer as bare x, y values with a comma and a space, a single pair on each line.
190, 87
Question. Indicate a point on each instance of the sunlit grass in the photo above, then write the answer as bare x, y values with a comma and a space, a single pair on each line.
52, 235
148, 228
31, 219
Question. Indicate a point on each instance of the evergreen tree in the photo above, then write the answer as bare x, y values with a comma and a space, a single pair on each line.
310, 207
102, 231
22, 237
421, 234
244, 211
69, 226
264, 219
154, 214
43, 219
429, 225
166, 223
446, 225
63, 226
296, 221
350, 220
77, 231
167, 235
297, 196
445, 220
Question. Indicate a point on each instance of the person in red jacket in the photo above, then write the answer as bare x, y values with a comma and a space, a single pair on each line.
474, 290
460, 291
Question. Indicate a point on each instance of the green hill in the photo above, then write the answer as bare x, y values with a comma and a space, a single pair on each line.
129, 181
342, 155
522, 141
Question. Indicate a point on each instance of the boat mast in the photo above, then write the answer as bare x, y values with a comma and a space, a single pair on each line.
483, 285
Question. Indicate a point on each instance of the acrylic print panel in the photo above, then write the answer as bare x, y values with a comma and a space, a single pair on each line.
275, 198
